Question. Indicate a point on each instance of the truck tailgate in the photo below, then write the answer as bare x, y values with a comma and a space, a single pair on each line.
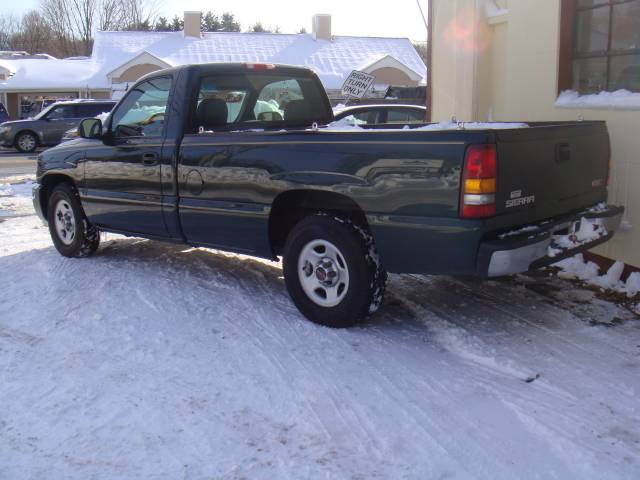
551, 169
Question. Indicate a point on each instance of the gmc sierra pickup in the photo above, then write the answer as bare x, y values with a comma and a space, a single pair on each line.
244, 158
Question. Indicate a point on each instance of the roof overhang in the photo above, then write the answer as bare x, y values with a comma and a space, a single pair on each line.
391, 62
140, 59
12, 89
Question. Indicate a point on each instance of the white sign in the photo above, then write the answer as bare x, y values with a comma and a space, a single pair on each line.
357, 84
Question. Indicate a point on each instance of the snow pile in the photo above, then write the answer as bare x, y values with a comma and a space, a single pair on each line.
5, 190
576, 268
15, 197
633, 284
588, 231
473, 126
22, 189
622, 99
343, 124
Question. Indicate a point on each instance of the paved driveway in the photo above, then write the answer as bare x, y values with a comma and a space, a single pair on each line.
15, 163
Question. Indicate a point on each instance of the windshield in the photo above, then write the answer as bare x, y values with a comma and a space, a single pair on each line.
43, 112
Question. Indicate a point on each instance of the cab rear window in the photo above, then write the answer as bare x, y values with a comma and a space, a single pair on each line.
256, 100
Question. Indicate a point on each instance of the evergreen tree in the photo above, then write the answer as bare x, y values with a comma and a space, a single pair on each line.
211, 23
177, 24
229, 23
162, 25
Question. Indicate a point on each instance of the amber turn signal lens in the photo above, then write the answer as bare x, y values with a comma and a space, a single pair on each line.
480, 185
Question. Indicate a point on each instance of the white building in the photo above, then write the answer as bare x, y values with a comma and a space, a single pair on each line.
119, 58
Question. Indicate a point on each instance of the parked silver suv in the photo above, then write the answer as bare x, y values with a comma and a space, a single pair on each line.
48, 127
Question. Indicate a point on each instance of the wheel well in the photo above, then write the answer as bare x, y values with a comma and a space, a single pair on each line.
48, 183
15, 138
290, 207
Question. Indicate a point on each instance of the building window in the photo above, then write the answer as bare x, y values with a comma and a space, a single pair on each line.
600, 45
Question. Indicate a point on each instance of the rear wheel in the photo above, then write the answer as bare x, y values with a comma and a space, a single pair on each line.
332, 271
71, 232
26, 142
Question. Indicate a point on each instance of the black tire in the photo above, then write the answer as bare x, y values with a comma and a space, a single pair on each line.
26, 142
366, 278
81, 239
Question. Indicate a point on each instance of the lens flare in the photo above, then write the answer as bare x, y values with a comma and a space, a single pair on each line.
467, 32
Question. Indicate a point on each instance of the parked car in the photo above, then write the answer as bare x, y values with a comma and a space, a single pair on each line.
48, 127
185, 157
4, 115
381, 114
73, 133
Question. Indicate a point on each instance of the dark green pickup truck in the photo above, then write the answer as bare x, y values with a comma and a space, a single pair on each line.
245, 158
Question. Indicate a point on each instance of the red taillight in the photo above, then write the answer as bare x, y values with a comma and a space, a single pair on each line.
260, 66
479, 180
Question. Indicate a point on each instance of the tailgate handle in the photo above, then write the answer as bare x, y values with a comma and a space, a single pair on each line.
563, 152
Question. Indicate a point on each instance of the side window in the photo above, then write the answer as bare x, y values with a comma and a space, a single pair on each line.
142, 112
366, 117
404, 116
93, 109
83, 111
417, 116
62, 112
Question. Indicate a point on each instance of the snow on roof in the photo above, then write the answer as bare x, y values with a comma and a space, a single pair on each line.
36, 74
332, 60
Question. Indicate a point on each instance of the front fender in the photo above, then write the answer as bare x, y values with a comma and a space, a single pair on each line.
38, 203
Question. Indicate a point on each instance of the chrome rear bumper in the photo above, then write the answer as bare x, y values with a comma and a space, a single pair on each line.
535, 246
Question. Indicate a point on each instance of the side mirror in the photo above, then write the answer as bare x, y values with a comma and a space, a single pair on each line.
90, 128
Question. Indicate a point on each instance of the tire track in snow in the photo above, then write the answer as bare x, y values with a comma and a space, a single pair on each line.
592, 349
553, 424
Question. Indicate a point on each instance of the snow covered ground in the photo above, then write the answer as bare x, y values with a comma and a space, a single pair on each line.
161, 361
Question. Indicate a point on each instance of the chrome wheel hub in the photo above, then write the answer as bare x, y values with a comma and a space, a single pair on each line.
65, 222
26, 142
323, 273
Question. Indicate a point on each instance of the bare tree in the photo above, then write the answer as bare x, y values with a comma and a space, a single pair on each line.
82, 14
35, 35
56, 14
110, 15
67, 27
9, 26
139, 15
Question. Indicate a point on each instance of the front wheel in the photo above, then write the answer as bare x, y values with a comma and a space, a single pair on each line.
332, 271
71, 232
26, 142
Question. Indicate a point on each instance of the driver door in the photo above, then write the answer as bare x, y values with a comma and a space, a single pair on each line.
122, 188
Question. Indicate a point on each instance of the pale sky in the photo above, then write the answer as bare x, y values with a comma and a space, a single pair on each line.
384, 18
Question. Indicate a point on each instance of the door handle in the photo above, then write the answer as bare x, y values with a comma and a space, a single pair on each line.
149, 159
